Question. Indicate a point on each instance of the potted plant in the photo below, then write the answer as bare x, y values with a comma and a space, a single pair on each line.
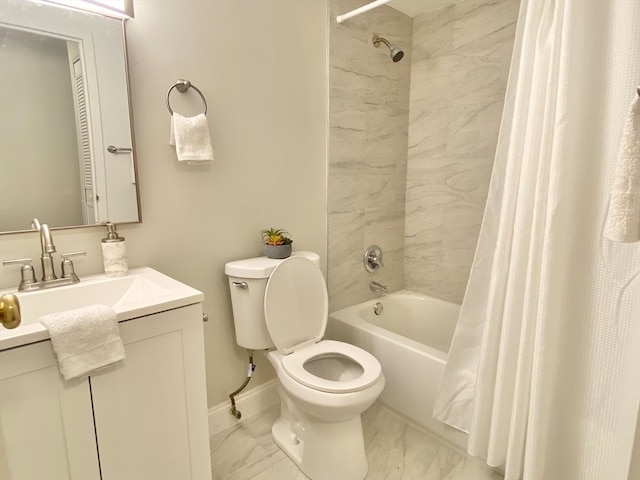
277, 243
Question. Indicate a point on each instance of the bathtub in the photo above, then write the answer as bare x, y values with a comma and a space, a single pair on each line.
410, 338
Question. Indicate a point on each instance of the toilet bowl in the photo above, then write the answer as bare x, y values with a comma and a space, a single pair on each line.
331, 400
324, 385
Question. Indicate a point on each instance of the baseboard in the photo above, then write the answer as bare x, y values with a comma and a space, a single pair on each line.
249, 403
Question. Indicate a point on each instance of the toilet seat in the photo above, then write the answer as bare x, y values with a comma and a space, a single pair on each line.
296, 311
294, 365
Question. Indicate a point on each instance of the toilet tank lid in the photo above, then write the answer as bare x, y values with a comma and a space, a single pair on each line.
261, 267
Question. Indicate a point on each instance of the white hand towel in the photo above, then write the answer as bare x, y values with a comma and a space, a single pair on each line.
190, 135
623, 217
84, 339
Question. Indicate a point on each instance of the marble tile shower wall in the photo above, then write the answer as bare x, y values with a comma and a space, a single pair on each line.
460, 64
368, 132
411, 144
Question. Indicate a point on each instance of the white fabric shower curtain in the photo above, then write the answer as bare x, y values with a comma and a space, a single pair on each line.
544, 368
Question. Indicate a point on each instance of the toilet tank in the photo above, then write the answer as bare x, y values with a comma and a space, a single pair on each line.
247, 282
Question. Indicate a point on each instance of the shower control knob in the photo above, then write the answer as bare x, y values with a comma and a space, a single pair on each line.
373, 259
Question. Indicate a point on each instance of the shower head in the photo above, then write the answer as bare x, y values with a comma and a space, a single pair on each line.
395, 52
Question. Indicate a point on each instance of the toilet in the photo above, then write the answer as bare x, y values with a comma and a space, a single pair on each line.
281, 307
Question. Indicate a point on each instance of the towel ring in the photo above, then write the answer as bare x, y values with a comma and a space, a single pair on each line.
183, 86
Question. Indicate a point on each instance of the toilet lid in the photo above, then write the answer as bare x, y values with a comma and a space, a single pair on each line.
295, 304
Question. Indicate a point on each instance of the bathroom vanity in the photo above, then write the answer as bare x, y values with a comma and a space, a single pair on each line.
142, 418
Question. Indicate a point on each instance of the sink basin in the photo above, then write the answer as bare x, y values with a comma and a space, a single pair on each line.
143, 291
104, 290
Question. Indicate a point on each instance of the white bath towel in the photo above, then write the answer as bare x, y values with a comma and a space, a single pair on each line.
623, 217
84, 339
190, 135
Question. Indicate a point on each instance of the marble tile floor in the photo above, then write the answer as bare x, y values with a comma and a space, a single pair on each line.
396, 450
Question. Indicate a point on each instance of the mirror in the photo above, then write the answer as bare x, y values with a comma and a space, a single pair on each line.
66, 144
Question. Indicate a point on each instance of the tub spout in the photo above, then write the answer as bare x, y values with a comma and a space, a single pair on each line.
378, 287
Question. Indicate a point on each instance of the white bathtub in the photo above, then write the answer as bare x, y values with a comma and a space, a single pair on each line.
410, 339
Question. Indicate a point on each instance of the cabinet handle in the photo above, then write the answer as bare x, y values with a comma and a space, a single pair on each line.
205, 317
9, 310
116, 150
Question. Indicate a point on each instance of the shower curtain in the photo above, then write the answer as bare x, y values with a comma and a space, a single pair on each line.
544, 368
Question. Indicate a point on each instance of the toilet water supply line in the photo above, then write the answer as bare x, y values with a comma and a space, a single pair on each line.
252, 366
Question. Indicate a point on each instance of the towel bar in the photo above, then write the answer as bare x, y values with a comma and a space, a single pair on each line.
183, 86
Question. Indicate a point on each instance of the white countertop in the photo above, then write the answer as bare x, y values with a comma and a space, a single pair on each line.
142, 291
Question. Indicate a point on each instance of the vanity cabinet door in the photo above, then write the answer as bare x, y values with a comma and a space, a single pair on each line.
150, 409
46, 423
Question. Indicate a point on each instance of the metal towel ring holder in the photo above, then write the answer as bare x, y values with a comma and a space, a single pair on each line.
183, 86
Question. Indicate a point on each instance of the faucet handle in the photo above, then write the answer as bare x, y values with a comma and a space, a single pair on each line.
17, 261
27, 273
373, 259
67, 265
65, 256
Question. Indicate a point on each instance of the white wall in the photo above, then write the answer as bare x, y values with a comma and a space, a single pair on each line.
262, 67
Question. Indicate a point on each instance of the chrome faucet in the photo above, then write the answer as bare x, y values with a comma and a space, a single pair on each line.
48, 270
378, 287
28, 278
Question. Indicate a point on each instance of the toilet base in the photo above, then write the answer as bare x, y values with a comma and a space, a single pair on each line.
323, 451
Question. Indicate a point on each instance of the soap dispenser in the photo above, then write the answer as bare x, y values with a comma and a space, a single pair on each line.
114, 253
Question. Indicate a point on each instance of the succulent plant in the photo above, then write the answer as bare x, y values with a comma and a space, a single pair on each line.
276, 236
